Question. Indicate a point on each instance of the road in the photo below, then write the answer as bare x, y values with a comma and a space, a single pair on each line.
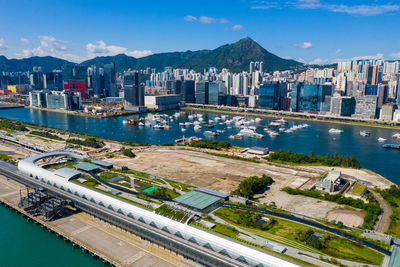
384, 221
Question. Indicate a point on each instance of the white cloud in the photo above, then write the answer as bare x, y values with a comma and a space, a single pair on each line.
26, 41
100, 48
301, 60
3, 45
205, 19
319, 61
235, 28
190, 18
49, 46
304, 45
396, 55
362, 10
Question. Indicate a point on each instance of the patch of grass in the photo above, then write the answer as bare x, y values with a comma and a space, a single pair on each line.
8, 159
351, 251
233, 157
128, 171
91, 183
178, 185
46, 135
280, 255
285, 232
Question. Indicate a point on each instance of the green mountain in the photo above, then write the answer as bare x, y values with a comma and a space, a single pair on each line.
26, 64
236, 57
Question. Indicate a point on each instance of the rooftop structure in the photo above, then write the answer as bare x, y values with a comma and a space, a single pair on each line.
67, 173
395, 258
212, 192
258, 150
102, 163
87, 167
197, 200
329, 182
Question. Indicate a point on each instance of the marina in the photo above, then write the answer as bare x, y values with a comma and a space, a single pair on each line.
294, 135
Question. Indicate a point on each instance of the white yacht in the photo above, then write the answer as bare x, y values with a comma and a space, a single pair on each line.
335, 131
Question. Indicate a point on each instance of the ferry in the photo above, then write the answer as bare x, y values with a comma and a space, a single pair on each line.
392, 146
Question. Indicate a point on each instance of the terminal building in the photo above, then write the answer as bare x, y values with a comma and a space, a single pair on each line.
136, 216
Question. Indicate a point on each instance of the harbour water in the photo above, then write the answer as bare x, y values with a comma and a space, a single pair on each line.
24, 243
315, 138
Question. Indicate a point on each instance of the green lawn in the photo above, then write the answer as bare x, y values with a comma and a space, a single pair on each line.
285, 232
351, 251
394, 228
357, 189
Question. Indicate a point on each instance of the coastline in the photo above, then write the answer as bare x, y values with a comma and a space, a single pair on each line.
84, 114
305, 118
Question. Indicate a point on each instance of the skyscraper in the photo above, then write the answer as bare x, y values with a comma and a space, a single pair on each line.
202, 92
133, 90
109, 80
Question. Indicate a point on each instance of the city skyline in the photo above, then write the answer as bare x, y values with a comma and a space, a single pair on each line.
79, 31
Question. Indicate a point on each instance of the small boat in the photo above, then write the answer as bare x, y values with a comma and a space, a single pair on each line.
282, 129
210, 133
158, 126
197, 127
236, 137
166, 126
275, 124
220, 131
335, 131
256, 135
262, 126
208, 126
365, 133
381, 139
130, 121
141, 124
181, 124
392, 146
396, 136
183, 129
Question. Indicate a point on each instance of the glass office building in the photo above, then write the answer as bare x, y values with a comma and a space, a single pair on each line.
269, 96
202, 92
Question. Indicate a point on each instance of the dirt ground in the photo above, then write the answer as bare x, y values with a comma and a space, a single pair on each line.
224, 175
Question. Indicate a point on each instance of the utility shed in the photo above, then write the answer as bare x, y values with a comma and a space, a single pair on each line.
198, 201
67, 173
87, 167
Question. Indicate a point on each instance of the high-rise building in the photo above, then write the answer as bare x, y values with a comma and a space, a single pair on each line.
133, 89
216, 93
202, 92
188, 91
366, 107
109, 80
382, 94
311, 96
75, 79
342, 106
269, 96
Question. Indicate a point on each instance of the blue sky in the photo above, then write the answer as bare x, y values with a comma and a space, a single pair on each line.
313, 31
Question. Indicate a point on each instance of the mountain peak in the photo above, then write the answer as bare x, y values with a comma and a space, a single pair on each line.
235, 56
